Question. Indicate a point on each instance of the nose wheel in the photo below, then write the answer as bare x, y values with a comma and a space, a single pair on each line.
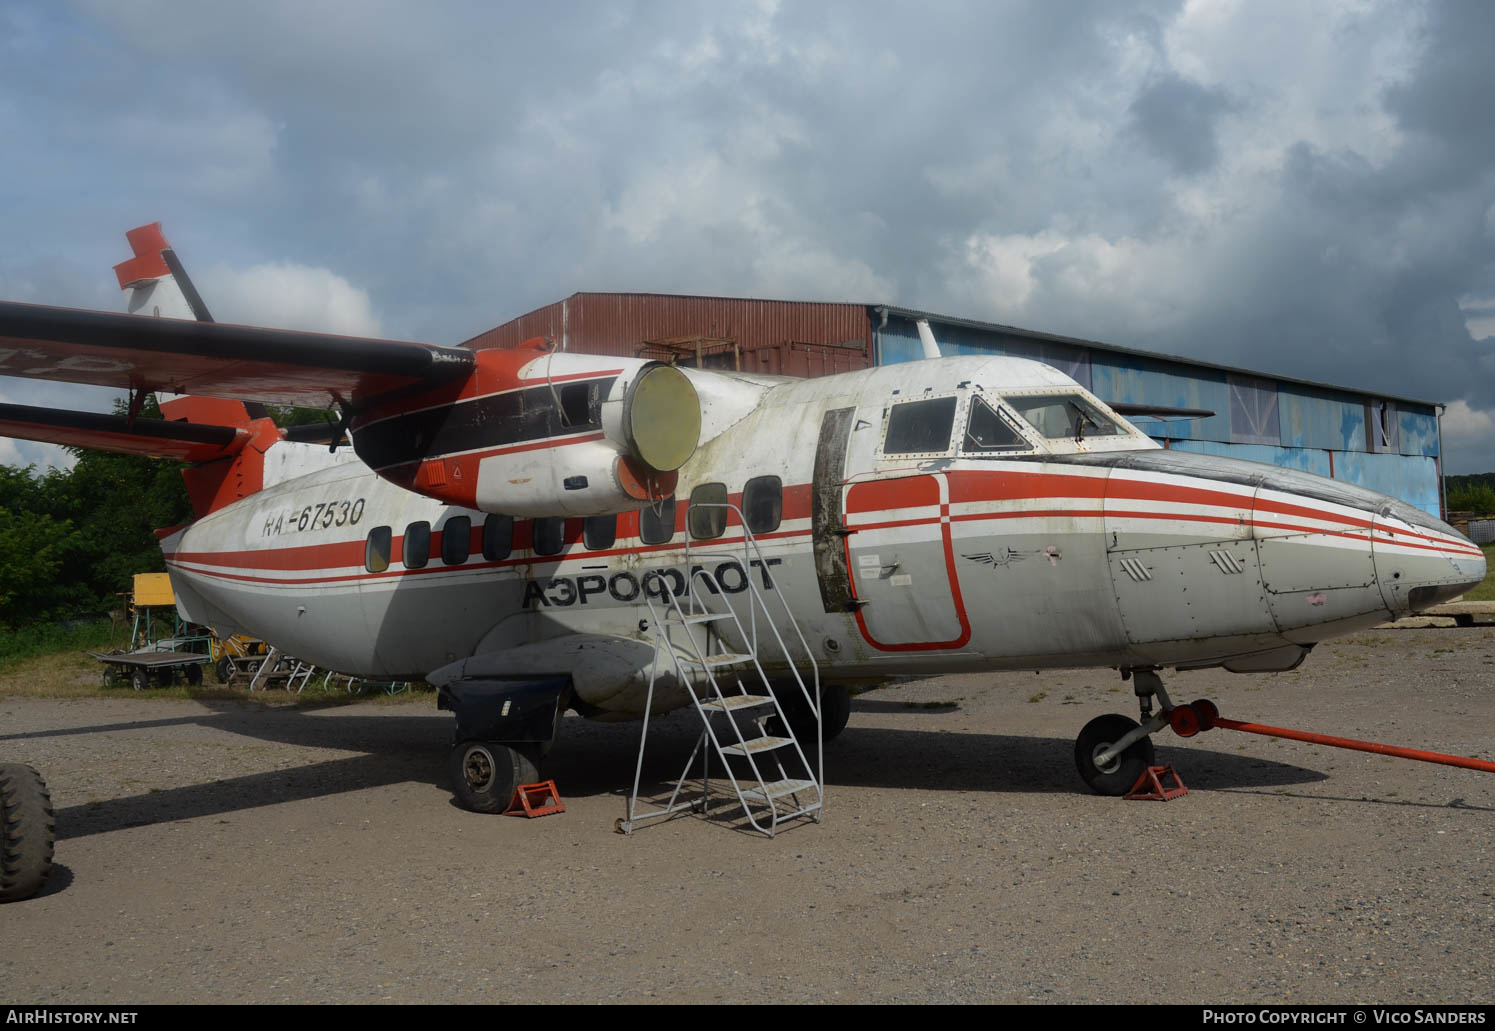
1113, 751
1106, 771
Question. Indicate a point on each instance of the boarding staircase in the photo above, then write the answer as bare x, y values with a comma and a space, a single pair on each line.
717, 654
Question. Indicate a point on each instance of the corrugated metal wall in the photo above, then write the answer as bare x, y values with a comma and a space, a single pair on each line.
784, 338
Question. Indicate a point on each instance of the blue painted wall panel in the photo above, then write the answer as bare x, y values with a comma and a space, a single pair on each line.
1413, 478
1314, 419
900, 343
1419, 433
1137, 380
1309, 460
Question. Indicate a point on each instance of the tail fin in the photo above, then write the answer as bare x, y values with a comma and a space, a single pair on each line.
159, 286
157, 282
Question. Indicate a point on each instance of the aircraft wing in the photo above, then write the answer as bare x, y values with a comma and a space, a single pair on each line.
212, 359
155, 438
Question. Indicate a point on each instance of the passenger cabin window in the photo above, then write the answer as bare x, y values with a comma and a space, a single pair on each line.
987, 430
656, 523
550, 536
1057, 416
456, 540
763, 503
376, 551
600, 532
498, 537
707, 516
916, 427
417, 545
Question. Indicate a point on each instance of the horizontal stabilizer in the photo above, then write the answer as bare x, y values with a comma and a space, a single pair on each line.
188, 442
248, 363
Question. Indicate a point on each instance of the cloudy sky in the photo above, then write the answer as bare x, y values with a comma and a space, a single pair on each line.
1301, 188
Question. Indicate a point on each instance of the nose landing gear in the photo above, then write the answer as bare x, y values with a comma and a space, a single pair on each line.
1114, 752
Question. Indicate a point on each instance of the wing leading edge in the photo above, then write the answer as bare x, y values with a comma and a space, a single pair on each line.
247, 363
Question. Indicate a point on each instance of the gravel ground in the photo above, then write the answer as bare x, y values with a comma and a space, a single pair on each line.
233, 853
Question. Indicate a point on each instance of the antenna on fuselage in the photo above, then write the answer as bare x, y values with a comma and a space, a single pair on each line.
926, 337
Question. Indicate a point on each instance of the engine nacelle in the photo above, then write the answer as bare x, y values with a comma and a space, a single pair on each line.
532, 433
589, 477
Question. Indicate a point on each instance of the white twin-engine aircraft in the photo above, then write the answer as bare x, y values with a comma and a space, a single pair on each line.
506, 516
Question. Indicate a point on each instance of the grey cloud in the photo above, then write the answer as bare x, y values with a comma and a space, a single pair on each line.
1176, 118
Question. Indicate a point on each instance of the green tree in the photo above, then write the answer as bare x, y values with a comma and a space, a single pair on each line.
1471, 497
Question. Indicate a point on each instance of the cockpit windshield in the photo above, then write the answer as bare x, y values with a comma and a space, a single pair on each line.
1057, 416
986, 431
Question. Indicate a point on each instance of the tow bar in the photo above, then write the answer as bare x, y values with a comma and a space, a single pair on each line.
1188, 720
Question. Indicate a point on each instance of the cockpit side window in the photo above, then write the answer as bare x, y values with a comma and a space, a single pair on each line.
916, 427
986, 430
1057, 416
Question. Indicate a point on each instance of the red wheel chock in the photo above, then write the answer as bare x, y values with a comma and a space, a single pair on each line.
531, 800
1150, 788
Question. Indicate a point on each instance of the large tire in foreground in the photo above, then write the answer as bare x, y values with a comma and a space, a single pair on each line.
1119, 776
26, 832
485, 774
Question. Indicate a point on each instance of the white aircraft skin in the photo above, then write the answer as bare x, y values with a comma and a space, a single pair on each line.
1105, 551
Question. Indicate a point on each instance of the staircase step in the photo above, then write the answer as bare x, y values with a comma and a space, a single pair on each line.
692, 619
777, 789
754, 745
736, 701
719, 659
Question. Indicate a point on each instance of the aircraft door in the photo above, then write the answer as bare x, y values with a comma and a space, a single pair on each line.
902, 563
827, 515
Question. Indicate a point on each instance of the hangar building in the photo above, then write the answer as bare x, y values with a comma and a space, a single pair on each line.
1386, 443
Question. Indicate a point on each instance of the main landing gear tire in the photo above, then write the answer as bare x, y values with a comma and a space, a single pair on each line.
485, 774
1117, 777
835, 710
26, 832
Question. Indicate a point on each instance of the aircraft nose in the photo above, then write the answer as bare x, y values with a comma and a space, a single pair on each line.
1339, 557
1421, 561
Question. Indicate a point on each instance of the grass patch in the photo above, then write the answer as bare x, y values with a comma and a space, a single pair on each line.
16, 646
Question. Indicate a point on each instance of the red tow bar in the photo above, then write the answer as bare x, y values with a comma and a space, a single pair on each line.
1204, 715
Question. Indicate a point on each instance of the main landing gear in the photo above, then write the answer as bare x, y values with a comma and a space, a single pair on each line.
504, 725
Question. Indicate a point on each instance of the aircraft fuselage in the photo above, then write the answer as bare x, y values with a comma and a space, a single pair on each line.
969, 532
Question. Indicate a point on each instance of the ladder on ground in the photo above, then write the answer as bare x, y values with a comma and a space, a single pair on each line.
717, 658
277, 664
